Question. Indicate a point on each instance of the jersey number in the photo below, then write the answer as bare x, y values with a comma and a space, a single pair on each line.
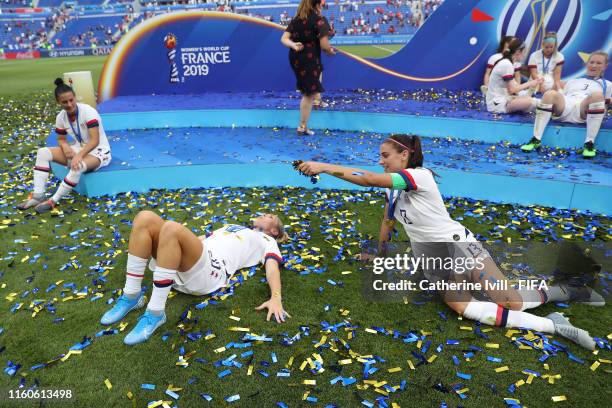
405, 217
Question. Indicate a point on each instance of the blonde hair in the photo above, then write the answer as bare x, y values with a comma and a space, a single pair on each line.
306, 8
602, 53
551, 34
282, 235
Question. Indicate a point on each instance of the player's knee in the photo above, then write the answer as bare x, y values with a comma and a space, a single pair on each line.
169, 229
549, 96
144, 218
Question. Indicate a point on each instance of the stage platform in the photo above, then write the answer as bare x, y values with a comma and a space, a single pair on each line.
175, 158
459, 115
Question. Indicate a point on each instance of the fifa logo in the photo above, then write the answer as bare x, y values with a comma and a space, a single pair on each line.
170, 43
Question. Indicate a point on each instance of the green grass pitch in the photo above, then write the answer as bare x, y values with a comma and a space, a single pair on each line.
90, 236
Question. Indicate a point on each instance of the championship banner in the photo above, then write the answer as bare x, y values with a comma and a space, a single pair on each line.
195, 51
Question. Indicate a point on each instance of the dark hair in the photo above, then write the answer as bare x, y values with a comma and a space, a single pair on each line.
306, 7
514, 45
412, 143
503, 41
61, 88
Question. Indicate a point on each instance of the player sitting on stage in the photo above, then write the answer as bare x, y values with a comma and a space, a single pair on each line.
192, 265
88, 149
414, 200
582, 100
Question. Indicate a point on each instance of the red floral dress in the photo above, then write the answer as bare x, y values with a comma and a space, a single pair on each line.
306, 64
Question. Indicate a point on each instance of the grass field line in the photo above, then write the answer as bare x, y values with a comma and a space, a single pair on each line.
380, 47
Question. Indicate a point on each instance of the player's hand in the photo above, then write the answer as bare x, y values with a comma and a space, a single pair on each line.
75, 163
297, 46
312, 168
68, 152
275, 308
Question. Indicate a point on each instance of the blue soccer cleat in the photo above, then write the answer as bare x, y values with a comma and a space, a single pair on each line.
123, 306
147, 324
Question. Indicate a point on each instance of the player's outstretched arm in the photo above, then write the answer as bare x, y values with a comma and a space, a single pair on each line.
274, 304
352, 175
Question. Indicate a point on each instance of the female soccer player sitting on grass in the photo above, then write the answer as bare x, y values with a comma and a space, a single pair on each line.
582, 100
192, 265
88, 149
414, 200
502, 95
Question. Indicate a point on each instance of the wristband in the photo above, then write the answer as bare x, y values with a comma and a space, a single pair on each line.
276, 293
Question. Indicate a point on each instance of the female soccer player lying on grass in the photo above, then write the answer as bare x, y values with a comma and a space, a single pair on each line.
414, 200
88, 149
582, 100
192, 265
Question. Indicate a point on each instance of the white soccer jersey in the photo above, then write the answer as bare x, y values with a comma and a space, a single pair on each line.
500, 75
234, 247
545, 66
87, 117
496, 57
420, 209
580, 88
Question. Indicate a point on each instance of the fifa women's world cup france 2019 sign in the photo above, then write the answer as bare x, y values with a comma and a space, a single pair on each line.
170, 43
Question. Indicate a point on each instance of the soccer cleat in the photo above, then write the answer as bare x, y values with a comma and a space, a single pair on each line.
565, 329
301, 131
532, 145
122, 307
584, 295
589, 150
29, 203
147, 324
45, 206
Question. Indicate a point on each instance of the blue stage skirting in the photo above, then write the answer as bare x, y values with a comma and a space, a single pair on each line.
178, 157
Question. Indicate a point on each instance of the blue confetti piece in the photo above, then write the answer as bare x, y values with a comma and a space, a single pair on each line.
147, 386
464, 376
233, 398
172, 394
224, 373
494, 359
206, 397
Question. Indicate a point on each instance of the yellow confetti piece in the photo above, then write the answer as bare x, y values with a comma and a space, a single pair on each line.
309, 382
130, 395
519, 383
346, 272
463, 390
108, 384
345, 361
411, 365
155, 404
432, 358
250, 370
559, 398
236, 318
371, 331
395, 405
239, 329
467, 328
492, 345
595, 365
383, 392
501, 369
220, 350
530, 378
395, 369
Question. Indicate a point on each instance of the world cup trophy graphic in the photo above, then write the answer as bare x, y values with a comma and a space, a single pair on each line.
170, 43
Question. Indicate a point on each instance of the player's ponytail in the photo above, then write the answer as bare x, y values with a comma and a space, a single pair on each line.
61, 88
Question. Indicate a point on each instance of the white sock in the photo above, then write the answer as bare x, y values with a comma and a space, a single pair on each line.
533, 298
69, 182
134, 273
495, 315
162, 283
42, 168
543, 114
595, 114
556, 294
534, 104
